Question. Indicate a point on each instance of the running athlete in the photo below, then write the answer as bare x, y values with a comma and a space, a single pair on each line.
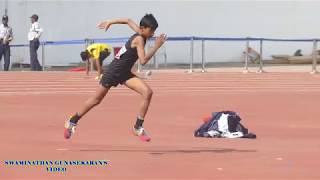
119, 72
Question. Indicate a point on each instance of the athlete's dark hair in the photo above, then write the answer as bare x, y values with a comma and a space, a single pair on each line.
149, 21
84, 55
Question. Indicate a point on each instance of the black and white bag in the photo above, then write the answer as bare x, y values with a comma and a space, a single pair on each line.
224, 124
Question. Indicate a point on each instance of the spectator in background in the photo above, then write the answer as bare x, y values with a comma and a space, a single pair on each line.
5, 38
34, 43
298, 53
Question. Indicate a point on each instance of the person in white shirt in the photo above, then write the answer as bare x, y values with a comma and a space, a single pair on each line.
5, 38
34, 43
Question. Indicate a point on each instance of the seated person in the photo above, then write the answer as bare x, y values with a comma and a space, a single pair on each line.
298, 53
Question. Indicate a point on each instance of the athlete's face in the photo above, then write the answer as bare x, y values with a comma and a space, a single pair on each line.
147, 32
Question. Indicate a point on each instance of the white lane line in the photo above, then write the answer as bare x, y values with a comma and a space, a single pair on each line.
62, 149
290, 88
30, 84
179, 91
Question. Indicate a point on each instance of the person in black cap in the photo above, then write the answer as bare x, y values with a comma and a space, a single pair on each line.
5, 38
33, 37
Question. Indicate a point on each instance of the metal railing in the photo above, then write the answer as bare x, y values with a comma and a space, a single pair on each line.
191, 39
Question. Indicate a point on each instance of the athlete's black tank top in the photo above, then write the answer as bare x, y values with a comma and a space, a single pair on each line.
125, 59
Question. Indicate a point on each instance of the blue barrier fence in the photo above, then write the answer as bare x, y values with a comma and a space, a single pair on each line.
191, 39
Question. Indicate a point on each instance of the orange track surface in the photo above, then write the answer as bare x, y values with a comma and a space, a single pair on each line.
281, 108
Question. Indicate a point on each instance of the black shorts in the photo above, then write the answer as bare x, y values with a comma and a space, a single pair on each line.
112, 79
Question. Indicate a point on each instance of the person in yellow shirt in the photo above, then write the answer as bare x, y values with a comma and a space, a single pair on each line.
96, 53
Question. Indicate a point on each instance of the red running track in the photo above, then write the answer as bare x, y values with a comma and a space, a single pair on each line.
281, 108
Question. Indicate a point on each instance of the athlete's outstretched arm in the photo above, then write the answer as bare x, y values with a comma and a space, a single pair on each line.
106, 24
138, 42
